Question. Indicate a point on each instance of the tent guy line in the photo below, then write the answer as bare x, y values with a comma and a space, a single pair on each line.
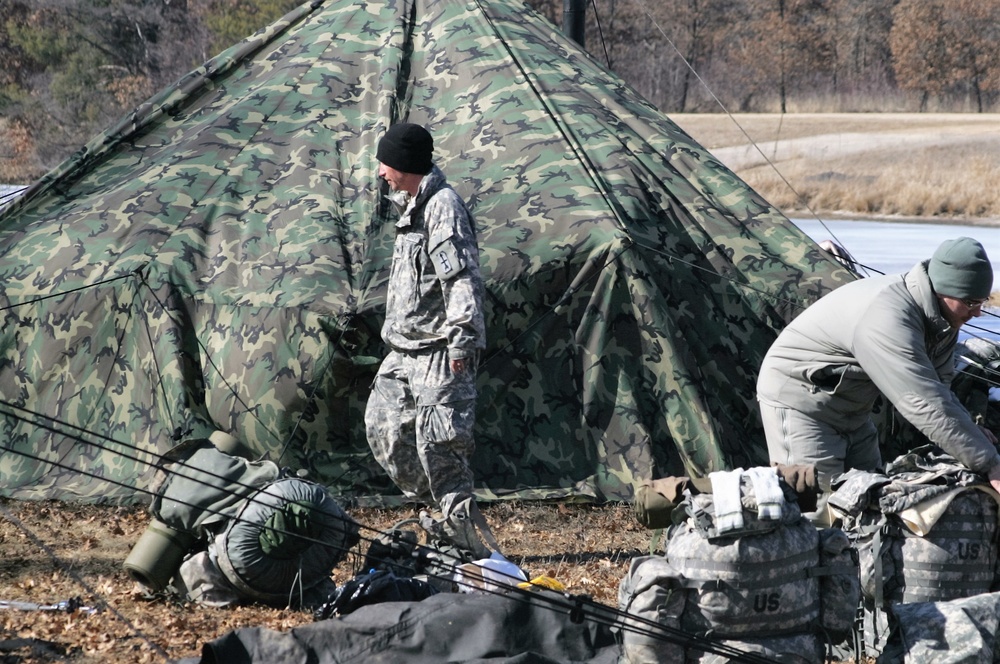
156, 465
233, 391
60, 294
798, 196
995, 373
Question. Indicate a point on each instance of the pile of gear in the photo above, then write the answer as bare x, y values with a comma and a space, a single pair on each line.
921, 536
742, 570
908, 571
397, 567
227, 531
926, 532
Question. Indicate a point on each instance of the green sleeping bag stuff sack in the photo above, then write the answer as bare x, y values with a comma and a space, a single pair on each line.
287, 536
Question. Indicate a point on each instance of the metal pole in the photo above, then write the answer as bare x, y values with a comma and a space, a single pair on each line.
574, 12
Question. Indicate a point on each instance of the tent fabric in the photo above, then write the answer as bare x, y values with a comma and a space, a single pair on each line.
218, 260
521, 629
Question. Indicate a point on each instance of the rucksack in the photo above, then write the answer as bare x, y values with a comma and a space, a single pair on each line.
652, 597
770, 586
909, 553
748, 585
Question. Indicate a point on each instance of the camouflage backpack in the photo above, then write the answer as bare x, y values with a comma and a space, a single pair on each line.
774, 586
924, 532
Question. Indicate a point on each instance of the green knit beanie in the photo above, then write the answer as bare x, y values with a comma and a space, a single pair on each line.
959, 268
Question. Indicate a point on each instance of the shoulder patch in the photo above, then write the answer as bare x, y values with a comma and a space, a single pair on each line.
446, 260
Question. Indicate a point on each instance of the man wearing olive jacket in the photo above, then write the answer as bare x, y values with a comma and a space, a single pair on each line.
893, 335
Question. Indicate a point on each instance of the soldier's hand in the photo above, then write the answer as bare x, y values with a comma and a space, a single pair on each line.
457, 366
990, 436
994, 477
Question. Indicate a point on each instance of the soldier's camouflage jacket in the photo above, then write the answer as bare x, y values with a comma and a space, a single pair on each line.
434, 297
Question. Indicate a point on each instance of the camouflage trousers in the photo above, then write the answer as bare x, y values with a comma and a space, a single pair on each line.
419, 421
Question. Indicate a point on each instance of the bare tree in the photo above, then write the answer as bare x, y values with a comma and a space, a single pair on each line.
859, 31
93, 60
973, 29
70, 67
922, 51
229, 21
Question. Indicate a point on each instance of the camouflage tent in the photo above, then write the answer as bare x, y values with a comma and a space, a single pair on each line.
218, 260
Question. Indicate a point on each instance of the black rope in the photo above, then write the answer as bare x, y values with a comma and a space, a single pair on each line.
798, 196
600, 32
211, 362
50, 296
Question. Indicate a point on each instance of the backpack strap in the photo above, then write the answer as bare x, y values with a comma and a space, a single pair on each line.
654, 541
877, 561
484, 528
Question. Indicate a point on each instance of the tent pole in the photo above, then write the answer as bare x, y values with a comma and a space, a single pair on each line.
574, 12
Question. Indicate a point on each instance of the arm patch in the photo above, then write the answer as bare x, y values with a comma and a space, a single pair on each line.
446, 260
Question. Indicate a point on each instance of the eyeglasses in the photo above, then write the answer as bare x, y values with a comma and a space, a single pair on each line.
975, 304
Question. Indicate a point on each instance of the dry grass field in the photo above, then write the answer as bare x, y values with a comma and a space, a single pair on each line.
941, 167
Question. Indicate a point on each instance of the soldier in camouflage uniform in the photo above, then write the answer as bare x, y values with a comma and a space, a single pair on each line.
421, 411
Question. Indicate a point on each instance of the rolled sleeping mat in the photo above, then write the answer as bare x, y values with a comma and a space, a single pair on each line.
229, 444
157, 555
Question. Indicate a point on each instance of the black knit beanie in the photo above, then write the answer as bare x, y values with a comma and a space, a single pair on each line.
406, 147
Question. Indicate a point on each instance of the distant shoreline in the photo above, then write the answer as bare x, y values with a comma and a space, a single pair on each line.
986, 222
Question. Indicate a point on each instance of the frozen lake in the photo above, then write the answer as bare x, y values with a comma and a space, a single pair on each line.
890, 247
7, 192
